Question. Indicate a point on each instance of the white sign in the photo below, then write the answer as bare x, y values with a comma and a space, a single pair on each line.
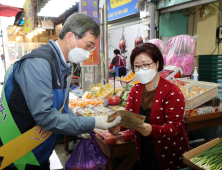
88, 77
161, 3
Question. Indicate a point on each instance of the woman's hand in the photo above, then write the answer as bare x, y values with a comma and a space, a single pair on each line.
144, 131
114, 130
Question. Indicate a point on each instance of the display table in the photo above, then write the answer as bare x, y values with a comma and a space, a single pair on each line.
118, 150
202, 121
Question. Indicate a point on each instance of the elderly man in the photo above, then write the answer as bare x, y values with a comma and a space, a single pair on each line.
37, 89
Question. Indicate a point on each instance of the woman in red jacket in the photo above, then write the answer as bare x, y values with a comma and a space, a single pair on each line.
163, 140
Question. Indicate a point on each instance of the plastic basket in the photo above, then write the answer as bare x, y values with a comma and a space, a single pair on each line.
210, 65
210, 57
212, 76
203, 97
217, 69
210, 61
208, 80
210, 72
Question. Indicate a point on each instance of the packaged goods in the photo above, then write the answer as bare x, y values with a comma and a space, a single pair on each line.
202, 110
96, 90
125, 95
87, 95
124, 103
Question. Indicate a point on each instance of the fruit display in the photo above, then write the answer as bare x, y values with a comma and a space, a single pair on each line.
73, 103
96, 90
125, 95
127, 135
110, 139
92, 111
135, 82
120, 138
129, 77
114, 100
83, 103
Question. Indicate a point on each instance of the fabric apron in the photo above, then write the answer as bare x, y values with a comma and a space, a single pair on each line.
117, 67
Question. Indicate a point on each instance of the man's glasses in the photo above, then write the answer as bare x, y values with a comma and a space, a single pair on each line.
90, 46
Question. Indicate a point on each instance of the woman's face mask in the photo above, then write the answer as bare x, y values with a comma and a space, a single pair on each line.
77, 55
145, 76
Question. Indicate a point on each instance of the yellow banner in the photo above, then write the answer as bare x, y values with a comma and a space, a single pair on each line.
23, 144
117, 3
29, 16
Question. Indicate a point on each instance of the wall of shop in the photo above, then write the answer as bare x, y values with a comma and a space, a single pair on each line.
130, 34
169, 24
206, 32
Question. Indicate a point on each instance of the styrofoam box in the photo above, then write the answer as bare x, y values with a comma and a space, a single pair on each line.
78, 92
201, 98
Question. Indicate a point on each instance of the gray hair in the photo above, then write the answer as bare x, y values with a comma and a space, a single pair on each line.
79, 24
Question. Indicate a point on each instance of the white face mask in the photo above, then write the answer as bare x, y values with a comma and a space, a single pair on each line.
145, 76
76, 55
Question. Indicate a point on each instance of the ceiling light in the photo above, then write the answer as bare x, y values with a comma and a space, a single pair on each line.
57, 6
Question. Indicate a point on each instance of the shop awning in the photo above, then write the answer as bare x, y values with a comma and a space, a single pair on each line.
9, 11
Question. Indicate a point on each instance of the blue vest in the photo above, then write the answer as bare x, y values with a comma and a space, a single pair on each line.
18, 106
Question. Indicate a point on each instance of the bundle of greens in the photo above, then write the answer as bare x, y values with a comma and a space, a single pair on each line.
210, 159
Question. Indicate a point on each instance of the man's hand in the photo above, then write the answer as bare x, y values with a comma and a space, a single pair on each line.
101, 122
144, 131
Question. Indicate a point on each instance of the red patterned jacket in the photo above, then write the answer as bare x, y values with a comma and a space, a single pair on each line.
168, 131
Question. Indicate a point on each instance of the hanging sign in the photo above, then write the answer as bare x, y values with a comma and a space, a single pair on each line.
90, 8
29, 16
121, 8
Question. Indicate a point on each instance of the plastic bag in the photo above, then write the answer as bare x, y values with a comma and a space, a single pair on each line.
207, 10
87, 155
181, 52
162, 46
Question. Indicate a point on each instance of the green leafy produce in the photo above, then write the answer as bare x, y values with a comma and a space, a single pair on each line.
210, 159
125, 95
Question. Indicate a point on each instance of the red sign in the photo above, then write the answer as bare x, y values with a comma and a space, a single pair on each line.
94, 56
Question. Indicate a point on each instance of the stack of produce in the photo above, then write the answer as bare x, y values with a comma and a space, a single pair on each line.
124, 98
109, 139
210, 159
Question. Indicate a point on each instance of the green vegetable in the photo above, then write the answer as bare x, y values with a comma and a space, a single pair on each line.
211, 159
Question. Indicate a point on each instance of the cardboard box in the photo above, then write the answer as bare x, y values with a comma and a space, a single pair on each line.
194, 152
202, 110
